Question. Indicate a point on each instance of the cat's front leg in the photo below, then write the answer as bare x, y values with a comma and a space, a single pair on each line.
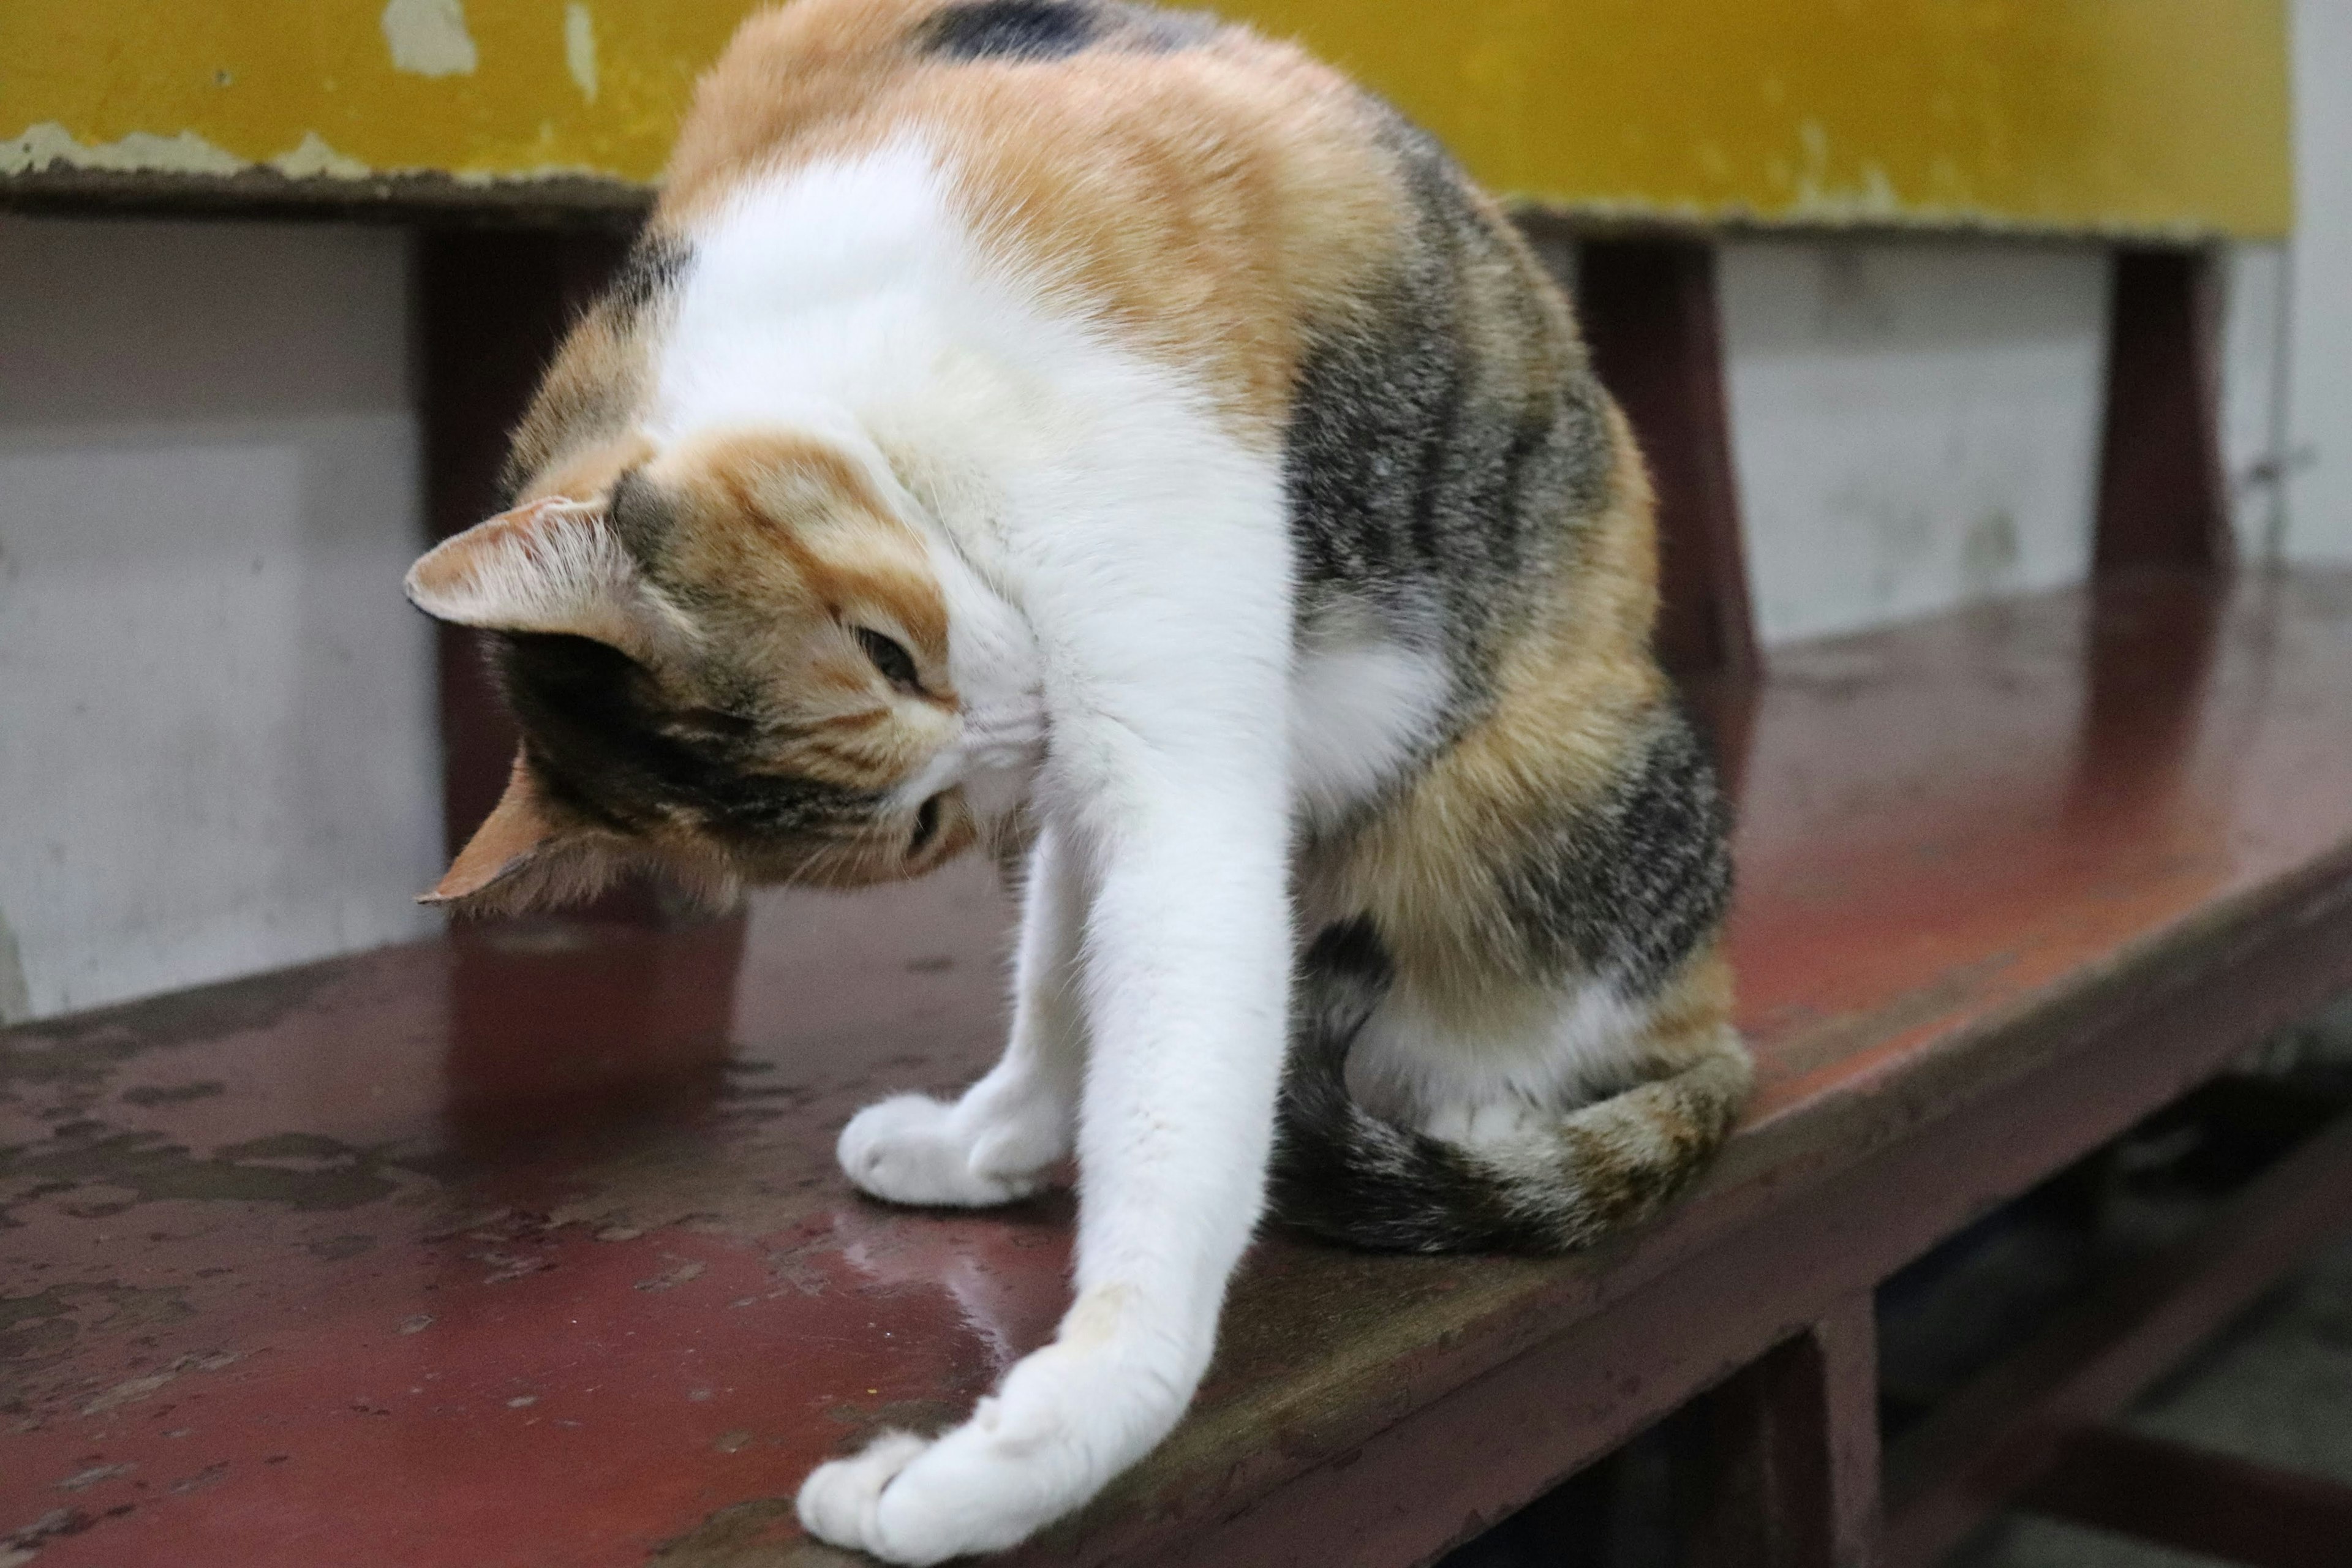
1002, 1139
1187, 976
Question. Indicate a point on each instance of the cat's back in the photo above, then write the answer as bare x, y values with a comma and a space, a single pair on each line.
1209, 193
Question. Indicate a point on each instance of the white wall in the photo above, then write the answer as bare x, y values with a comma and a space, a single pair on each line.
1914, 422
2253, 394
2319, 488
218, 751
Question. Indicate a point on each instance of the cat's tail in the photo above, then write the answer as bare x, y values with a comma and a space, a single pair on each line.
1350, 1177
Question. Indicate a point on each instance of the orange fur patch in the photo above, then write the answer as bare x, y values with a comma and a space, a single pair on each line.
1206, 204
776, 532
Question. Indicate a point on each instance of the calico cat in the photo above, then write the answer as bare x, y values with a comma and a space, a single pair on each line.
1110, 438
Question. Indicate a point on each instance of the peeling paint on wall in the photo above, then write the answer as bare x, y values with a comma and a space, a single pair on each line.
312, 158
50, 146
428, 37
580, 47
2111, 117
41, 146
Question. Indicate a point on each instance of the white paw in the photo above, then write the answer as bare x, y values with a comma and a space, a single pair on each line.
1042, 1447
840, 1501
909, 1500
916, 1150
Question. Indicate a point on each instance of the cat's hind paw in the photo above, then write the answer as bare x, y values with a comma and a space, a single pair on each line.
916, 1149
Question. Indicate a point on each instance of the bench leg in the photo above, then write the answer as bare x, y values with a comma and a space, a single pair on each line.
2012, 1424
1790, 1479
2163, 489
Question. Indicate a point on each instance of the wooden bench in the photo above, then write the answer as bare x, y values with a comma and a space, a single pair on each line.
525, 1246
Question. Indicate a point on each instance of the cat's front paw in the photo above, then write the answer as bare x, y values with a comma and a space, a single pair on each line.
841, 1501
1065, 1422
916, 1149
918, 1500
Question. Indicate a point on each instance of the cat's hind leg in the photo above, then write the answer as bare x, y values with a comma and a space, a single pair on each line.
1002, 1139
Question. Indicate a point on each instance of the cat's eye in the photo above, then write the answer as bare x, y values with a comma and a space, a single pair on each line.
897, 665
927, 825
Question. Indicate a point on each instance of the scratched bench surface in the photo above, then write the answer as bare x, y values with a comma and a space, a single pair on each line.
527, 1248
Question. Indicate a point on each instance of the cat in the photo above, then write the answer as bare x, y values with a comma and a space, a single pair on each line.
1112, 440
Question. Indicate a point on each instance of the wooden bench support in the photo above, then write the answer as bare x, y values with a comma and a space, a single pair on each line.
1792, 1477
2020, 1421
2163, 494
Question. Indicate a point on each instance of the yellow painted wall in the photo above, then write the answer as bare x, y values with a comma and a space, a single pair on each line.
2115, 115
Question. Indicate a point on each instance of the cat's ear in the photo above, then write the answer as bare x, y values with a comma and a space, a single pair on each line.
550, 566
516, 833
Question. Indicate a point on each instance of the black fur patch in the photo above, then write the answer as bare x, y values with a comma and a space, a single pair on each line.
1057, 29
1433, 471
1628, 889
647, 273
603, 739
1010, 29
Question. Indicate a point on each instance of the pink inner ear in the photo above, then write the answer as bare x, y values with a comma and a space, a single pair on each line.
516, 830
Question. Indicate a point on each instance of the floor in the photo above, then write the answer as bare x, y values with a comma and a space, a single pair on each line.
2277, 1388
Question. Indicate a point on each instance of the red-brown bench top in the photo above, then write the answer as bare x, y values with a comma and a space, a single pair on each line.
527, 1247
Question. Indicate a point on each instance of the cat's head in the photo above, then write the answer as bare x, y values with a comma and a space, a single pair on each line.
729, 660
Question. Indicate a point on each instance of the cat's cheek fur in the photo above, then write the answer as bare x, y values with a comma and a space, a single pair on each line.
994, 662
